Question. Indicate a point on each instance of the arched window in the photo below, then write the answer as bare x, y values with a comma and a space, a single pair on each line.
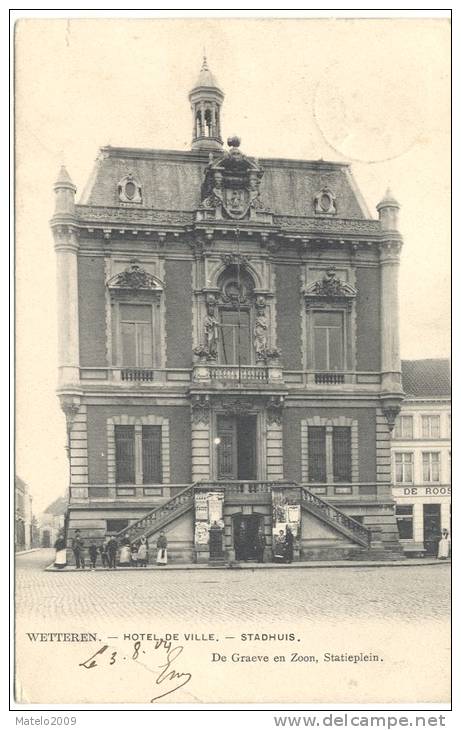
208, 123
198, 124
236, 317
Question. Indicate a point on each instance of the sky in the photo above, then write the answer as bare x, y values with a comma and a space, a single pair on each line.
374, 93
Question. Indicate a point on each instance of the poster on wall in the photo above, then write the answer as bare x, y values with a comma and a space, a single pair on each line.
286, 522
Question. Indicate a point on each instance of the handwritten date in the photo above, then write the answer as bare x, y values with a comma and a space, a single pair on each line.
168, 678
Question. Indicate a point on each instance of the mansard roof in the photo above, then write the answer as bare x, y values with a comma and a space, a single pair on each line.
426, 378
172, 180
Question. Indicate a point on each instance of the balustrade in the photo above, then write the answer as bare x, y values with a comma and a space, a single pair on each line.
137, 375
329, 378
335, 515
245, 373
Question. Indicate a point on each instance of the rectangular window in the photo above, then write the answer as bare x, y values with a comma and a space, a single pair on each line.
342, 458
404, 468
431, 466
114, 526
430, 426
136, 335
317, 454
328, 341
235, 337
152, 454
404, 516
404, 427
124, 455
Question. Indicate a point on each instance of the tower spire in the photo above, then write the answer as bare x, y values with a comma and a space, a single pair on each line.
206, 99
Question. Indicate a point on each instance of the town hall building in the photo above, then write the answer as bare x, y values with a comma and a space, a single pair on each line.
228, 349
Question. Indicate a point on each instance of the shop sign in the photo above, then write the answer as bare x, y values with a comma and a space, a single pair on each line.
422, 491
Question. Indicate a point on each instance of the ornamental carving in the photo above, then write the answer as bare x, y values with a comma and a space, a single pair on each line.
325, 202
391, 413
135, 277
138, 215
201, 410
231, 185
330, 286
274, 411
237, 406
129, 189
327, 225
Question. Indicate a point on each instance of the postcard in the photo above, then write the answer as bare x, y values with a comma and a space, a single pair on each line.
233, 380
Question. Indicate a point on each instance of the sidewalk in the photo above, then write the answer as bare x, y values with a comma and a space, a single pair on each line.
407, 563
30, 550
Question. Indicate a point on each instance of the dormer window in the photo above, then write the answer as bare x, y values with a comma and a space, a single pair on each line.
325, 202
129, 190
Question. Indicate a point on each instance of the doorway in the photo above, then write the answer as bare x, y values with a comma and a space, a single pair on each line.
236, 448
245, 529
432, 528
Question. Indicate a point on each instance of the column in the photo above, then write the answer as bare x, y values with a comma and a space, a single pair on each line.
390, 342
66, 247
200, 428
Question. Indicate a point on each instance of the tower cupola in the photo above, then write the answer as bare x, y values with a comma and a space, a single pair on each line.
206, 100
388, 211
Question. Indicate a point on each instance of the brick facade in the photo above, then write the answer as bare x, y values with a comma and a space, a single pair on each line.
231, 303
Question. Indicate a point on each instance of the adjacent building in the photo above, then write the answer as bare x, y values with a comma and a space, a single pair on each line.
228, 348
421, 454
52, 522
23, 529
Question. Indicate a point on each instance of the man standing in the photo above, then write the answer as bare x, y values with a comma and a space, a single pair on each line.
112, 552
77, 548
260, 545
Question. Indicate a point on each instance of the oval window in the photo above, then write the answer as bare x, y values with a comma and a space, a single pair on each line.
325, 201
130, 190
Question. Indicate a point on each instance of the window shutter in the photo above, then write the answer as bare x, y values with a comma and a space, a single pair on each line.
342, 461
124, 455
317, 454
152, 454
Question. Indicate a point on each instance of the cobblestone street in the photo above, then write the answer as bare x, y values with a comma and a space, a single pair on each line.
407, 593
399, 614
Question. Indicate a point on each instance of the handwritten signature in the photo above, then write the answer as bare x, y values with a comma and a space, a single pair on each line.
167, 675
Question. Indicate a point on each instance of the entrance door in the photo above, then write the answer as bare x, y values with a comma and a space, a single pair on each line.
245, 528
432, 531
236, 447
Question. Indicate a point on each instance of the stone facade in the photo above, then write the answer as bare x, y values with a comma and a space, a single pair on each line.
217, 315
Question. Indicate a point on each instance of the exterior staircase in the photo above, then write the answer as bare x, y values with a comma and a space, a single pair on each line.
158, 518
336, 519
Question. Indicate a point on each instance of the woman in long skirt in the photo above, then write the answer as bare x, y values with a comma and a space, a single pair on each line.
444, 545
60, 560
162, 554
142, 552
125, 553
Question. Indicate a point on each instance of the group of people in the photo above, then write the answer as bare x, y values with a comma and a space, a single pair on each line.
284, 546
248, 547
109, 554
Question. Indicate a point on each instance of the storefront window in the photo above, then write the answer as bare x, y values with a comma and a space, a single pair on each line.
404, 516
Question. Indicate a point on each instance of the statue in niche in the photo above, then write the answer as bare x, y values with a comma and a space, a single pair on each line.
260, 337
211, 331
